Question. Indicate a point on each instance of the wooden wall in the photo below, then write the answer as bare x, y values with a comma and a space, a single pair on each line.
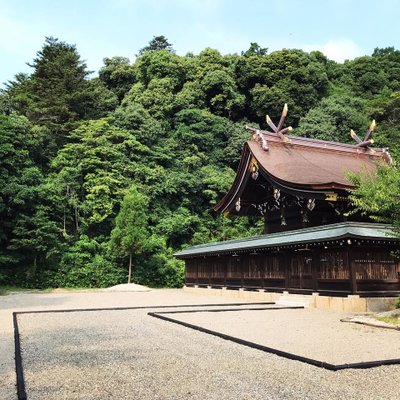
342, 270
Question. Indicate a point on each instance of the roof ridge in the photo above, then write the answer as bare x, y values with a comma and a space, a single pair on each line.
318, 228
324, 144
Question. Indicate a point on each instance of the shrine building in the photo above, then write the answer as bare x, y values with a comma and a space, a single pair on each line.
312, 243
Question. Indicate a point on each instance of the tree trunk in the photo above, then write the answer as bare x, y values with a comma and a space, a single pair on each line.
64, 224
76, 218
130, 268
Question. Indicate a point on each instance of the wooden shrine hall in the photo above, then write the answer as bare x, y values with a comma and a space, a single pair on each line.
311, 243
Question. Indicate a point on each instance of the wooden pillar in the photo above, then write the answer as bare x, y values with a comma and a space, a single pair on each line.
210, 268
315, 257
240, 261
186, 269
197, 270
263, 259
285, 260
352, 270
225, 269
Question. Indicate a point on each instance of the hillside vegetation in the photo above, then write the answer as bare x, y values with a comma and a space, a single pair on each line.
127, 165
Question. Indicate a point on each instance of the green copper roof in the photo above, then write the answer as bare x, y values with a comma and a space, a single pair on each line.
344, 230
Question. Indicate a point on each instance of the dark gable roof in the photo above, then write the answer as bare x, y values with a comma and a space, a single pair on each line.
302, 163
344, 230
313, 164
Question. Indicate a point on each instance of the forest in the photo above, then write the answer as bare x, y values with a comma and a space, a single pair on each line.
103, 171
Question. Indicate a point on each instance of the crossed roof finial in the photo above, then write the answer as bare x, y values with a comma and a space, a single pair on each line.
367, 141
278, 129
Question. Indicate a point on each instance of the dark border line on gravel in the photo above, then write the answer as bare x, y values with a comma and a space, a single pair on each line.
253, 345
139, 307
374, 325
19, 370
21, 392
215, 310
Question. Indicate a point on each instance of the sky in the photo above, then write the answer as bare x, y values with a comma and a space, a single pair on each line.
341, 29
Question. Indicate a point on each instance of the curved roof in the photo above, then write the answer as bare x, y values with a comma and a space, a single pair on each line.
302, 164
313, 163
340, 231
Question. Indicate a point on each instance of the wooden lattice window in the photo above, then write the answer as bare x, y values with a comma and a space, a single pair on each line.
251, 267
234, 268
272, 267
333, 265
191, 268
204, 268
376, 265
218, 267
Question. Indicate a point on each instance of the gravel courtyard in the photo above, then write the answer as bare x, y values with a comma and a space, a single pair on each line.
127, 354
311, 333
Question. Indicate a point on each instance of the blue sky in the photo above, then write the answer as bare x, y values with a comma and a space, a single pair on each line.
104, 28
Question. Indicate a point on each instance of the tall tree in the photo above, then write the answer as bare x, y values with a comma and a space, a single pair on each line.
35, 236
255, 50
19, 178
92, 171
130, 232
58, 93
157, 43
118, 75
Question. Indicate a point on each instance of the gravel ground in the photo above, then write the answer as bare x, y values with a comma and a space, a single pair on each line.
308, 332
72, 300
129, 355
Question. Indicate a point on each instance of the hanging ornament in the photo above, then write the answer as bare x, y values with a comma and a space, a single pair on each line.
238, 205
254, 169
277, 194
311, 204
283, 219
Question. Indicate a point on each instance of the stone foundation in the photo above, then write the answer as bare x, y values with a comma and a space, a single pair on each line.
351, 303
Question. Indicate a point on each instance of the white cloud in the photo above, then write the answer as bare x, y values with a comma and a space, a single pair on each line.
338, 50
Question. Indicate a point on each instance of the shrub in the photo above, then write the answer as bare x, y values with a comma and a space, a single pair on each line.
156, 267
98, 273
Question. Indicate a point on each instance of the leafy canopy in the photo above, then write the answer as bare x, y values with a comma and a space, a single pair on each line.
72, 145
378, 196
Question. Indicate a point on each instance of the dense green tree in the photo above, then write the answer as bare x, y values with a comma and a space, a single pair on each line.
255, 50
118, 75
378, 196
130, 232
333, 118
35, 236
16, 95
58, 93
92, 172
368, 76
288, 76
20, 179
160, 76
216, 76
136, 119
157, 43
174, 126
